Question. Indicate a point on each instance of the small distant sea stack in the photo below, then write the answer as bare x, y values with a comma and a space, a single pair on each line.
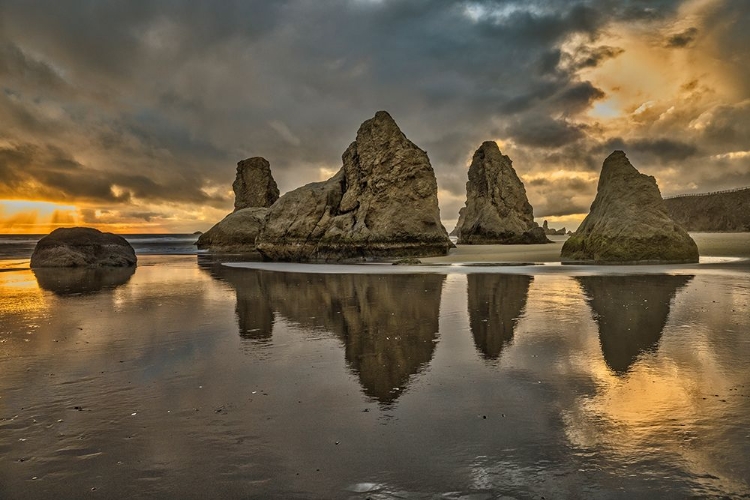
82, 247
628, 222
382, 203
254, 191
497, 210
553, 232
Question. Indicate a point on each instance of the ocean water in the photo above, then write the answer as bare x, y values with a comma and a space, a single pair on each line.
188, 378
18, 247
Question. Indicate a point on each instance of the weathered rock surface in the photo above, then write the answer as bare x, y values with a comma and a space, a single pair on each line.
82, 247
254, 185
382, 203
712, 212
628, 221
497, 210
236, 232
254, 191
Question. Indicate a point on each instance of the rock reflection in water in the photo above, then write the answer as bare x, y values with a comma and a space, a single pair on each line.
388, 323
496, 301
254, 313
631, 312
77, 280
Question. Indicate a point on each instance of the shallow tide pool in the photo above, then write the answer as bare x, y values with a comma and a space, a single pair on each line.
192, 379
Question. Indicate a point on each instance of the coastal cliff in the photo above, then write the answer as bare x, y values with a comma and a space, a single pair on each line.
712, 212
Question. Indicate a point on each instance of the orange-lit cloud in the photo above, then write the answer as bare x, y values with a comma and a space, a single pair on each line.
42, 217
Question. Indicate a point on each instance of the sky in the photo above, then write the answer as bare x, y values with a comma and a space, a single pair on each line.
131, 116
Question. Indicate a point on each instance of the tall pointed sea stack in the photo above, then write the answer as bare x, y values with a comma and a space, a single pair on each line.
497, 210
254, 191
628, 221
382, 203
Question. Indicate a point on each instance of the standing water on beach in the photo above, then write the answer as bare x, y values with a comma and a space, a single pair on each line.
189, 378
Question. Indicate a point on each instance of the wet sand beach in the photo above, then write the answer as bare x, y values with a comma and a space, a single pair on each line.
188, 378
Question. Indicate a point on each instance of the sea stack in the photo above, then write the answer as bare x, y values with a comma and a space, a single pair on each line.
628, 222
497, 210
254, 191
551, 231
382, 203
254, 185
82, 247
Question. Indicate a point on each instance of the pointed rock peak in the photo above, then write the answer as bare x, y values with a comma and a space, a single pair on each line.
490, 150
617, 163
383, 116
254, 162
489, 145
378, 128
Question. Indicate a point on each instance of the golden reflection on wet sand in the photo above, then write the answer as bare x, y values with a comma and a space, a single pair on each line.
279, 384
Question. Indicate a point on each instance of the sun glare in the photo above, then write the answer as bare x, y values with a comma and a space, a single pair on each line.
34, 217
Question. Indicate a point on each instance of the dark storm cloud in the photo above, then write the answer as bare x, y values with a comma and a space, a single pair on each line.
577, 98
561, 197
27, 170
682, 39
19, 67
591, 57
169, 95
543, 132
727, 127
24, 167
667, 150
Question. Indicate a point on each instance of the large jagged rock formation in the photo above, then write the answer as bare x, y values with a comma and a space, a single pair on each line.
382, 203
254, 185
497, 210
82, 247
254, 191
628, 221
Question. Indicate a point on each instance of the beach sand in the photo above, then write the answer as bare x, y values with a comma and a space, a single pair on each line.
187, 378
709, 245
